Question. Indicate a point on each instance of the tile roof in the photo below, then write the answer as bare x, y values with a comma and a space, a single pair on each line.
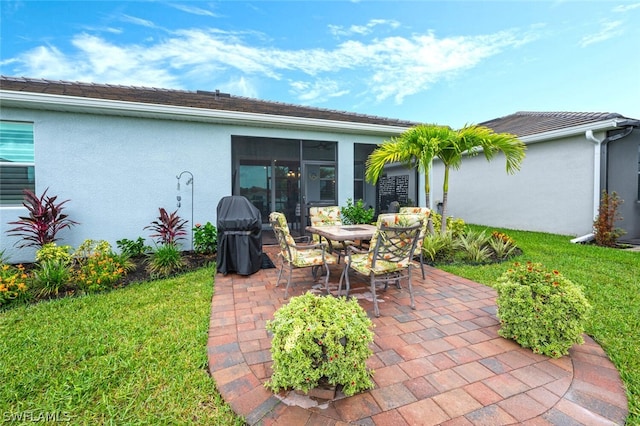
194, 99
526, 123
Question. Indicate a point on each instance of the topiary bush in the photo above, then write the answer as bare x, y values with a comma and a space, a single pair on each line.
541, 309
320, 338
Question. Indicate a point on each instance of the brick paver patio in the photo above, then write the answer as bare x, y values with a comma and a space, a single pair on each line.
443, 363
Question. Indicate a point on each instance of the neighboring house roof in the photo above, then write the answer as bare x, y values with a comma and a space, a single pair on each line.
192, 99
525, 123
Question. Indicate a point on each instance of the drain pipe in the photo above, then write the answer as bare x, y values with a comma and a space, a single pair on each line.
597, 173
597, 168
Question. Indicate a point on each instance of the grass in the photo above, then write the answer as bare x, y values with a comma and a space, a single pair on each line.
611, 281
132, 356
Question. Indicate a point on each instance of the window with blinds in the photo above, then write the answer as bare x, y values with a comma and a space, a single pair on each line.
17, 168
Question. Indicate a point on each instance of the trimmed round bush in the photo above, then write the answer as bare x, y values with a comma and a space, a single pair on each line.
320, 339
541, 309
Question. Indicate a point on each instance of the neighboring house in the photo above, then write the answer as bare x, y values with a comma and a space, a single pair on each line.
570, 159
118, 154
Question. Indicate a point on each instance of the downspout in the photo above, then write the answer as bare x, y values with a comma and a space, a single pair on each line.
597, 174
597, 169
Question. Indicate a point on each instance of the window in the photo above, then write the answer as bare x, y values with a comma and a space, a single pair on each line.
17, 169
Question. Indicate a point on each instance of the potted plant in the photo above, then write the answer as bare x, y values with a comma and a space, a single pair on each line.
320, 340
541, 309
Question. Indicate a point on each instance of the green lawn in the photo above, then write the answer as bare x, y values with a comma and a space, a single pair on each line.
138, 355
611, 282
131, 356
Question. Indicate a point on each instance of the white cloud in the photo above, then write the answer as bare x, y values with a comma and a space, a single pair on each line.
338, 30
378, 69
137, 21
192, 9
626, 7
609, 30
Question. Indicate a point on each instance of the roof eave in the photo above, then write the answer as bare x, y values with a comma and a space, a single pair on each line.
598, 126
51, 102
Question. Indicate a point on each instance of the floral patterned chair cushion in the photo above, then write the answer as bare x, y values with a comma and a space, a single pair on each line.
426, 212
299, 256
390, 252
328, 216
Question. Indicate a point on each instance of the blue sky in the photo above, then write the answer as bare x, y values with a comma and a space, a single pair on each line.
449, 62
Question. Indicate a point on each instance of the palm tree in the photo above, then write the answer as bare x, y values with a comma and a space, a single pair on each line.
419, 145
416, 147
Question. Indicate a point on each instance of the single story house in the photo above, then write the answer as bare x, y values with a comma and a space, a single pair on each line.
120, 153
570, 159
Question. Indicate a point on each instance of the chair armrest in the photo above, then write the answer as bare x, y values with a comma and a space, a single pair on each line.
356, 250
302, 239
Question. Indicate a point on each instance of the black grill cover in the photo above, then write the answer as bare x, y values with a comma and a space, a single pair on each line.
239, 236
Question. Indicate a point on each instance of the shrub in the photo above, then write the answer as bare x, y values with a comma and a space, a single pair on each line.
165, 260
44, 222
131, 248
475, 247
541, 309
51, 276
51, 251
604, 228
168, 228
320, 338
13, 284
454, 225
502, 245
440, 247
99, 268
353, 214
205, 238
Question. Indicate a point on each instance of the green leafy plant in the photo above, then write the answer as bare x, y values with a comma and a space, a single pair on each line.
13, 284
502, 245
353, 214
320, 338
133, 248
474, 246
51, 276
165, 260
604, 228
168, 228
98, 267
541, 309
205, 238
456, 226
44, 222
52, 251
440, 247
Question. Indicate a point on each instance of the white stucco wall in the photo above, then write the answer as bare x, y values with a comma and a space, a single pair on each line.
117, 171
553, 192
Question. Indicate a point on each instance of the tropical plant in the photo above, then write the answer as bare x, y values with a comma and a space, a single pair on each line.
51, 276
438, 247
353, 214
320, 338
44, 222
474, 245
168, 228
420, 145
205, 238
455, 225
133, 248
165, 260
541, 309
502, 245
605, 232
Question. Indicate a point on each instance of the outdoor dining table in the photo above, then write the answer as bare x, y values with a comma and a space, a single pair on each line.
344, 232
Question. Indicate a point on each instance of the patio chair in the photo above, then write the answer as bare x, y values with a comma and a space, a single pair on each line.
297, 255
390, 254
328, 216
423, 232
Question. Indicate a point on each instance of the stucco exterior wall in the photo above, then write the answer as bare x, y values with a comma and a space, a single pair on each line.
117, 171
553, 192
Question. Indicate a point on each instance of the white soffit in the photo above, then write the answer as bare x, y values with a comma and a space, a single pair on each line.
43, 101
